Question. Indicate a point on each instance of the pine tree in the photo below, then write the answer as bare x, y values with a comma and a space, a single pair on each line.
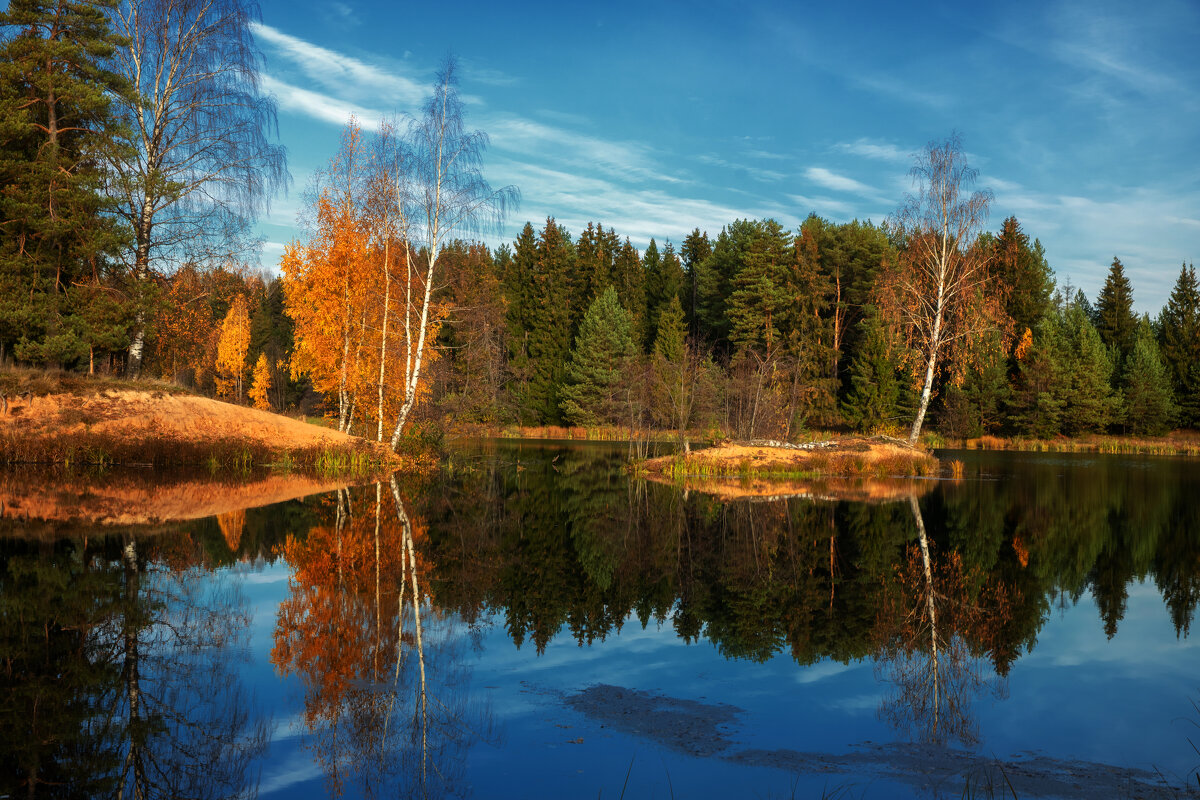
1179, 341
1149, 406
1116, 322
601, 355
56, 123
759, 300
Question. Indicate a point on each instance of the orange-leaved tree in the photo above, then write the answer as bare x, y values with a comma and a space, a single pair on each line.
260, 384
232, 349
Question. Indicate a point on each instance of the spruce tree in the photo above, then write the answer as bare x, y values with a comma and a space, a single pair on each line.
1022, 270
56, 126
878, 396
671, 338
1179, 326
548, 343
664, 280
1149, 405
1116, 322
1086, 367
601, 355
696, 247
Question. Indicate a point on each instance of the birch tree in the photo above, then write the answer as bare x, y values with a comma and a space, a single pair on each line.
941, 274
450, 199
200, 166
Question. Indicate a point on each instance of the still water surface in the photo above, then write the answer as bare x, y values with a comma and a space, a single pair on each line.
581, 634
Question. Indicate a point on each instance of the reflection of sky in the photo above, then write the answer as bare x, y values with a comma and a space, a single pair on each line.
1076, 695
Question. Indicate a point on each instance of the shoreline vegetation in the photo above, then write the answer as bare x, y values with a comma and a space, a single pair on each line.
68, 420
850, 456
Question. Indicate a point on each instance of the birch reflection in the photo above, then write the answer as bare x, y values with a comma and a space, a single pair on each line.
138, 645
935, 632
385, 690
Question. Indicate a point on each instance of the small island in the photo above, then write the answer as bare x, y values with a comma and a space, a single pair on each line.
851, 456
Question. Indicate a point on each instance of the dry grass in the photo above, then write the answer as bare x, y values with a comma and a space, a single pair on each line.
849, 456
1179, 443
83, 420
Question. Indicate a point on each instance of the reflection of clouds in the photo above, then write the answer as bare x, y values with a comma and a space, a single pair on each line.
1146, 635
823, 670
299, 767
858, 702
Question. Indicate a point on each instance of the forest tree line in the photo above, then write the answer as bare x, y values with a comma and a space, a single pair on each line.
127, 210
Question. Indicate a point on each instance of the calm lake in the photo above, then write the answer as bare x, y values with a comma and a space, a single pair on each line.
580, 633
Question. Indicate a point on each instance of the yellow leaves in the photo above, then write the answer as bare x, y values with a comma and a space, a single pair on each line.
232, 348
261, 383
1024, 345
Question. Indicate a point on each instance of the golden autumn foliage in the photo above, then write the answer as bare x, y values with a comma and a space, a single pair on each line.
260, 383
184, 326
232, 348
352, 290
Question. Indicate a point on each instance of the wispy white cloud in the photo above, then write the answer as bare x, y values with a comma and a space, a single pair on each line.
758, 173
531, 138
639, 213
341, 73
904, 91
877, 150
824, 206
320, 106
835, 182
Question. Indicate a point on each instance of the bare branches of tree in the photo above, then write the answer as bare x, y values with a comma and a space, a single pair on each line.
941, 272
450, 198
200, 165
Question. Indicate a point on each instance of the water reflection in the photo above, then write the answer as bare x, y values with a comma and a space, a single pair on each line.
121, 673
121, 660
385, 694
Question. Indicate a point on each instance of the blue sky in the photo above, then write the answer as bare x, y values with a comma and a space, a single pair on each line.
1082, 117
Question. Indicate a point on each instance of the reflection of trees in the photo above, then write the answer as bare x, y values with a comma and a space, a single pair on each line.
564, 541
384, 685
121, 659
934, 664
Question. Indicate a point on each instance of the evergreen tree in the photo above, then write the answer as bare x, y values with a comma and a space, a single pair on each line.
548, 340
975, 406
1149, 406
56, 124
664, 280
592, 273
1036, 407
759, 299
715, 280
1179, 325
671, 339
1116, 322
1023, 272
601, 355
696, 248
629, 279
1086, 368
879, 396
